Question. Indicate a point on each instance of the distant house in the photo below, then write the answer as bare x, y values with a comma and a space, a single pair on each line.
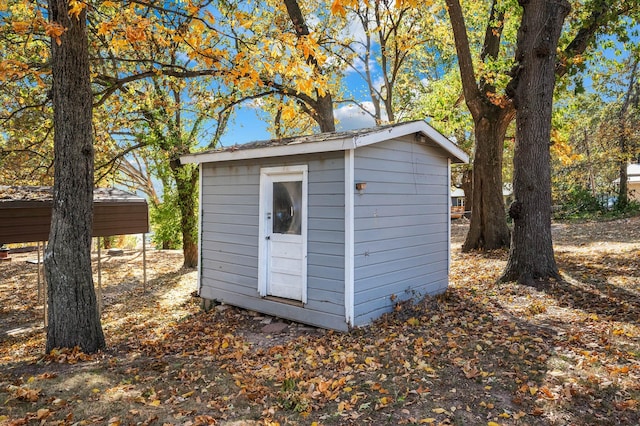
633, 182
331, 229
459, 205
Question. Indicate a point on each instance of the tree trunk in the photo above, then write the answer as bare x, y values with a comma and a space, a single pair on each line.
467, 187
623, 190
324, 113
107, 242
186, 178
531, 255
488, 228
73, 313
592, 177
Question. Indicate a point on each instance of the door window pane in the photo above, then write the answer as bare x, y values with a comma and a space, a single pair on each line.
287, 205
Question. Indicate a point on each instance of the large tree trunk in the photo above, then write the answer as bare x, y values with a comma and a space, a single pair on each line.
531, 255
73, 318
186, 178
488, 228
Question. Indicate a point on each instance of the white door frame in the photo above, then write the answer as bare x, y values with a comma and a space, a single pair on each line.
268, 175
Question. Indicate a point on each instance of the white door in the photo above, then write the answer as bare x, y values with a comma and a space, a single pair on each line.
283, 208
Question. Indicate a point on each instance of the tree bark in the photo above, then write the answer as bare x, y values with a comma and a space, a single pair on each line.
467, 187
531, 256
488, 228
186, 178
623, 146
324, 113
73, 318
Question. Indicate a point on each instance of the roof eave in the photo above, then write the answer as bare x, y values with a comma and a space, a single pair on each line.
269, 151
339, 144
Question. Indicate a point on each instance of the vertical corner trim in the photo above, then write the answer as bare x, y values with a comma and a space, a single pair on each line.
448, 204
349, 237
200, 230
262, 245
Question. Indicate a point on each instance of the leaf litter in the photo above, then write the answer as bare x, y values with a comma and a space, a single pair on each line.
482, 353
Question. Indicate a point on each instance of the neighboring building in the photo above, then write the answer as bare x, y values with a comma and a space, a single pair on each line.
457, 203
633, 182
331, 229
25, 213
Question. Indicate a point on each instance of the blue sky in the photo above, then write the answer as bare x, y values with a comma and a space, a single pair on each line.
247, 125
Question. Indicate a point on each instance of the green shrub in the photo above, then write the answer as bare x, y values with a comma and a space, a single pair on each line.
165, 220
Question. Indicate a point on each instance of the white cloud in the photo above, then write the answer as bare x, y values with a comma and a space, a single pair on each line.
352, 117
257, 103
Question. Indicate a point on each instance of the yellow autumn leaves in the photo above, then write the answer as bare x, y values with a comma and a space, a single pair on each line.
338, 7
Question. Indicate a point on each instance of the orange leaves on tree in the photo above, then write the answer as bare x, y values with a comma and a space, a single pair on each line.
11, 69
288, 112
311, 49
337, 8
135, 34
192, 9
136, 31
55, 31
21, 27
561, 149
76, 7
106, 27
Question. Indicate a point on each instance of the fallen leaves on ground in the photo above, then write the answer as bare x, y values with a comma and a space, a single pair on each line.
482, 353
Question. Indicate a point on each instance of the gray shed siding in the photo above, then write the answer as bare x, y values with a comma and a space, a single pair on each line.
401, 225
229, 264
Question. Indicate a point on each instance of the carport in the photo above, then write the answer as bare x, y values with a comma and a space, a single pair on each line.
25, 217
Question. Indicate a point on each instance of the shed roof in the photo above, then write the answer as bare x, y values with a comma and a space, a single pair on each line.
25, 213
334, 141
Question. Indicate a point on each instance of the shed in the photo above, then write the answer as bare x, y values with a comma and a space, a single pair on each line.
330, 229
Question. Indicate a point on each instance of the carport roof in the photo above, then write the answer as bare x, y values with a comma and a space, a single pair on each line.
25, 213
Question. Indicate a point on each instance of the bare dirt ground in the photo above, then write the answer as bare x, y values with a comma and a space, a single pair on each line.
480, 354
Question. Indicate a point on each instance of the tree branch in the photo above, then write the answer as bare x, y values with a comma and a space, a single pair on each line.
491, 46
472, 93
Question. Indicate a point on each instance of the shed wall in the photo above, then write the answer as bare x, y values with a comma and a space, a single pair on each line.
401, 225
229, 264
